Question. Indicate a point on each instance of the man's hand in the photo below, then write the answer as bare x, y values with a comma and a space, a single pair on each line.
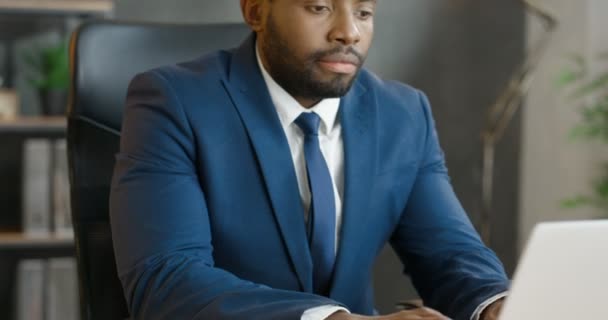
414, 314
492, 311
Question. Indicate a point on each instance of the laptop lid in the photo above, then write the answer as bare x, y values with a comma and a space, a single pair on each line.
563, 273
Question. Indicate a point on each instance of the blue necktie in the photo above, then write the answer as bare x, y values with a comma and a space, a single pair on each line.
322, 218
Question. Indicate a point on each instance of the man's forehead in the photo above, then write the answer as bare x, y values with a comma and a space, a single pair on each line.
357, 1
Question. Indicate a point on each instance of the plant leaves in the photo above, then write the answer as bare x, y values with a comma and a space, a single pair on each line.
599, 83
567, 77
586, 131
51, 65
576, 202
594, 123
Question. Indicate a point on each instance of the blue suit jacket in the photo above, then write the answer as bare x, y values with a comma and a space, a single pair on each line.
207, 219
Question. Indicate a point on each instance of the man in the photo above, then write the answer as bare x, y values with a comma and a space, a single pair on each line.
261, 182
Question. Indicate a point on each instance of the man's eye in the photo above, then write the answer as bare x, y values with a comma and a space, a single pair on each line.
318, 9
364, 14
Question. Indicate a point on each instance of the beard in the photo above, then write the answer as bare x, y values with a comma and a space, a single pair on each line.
298, 76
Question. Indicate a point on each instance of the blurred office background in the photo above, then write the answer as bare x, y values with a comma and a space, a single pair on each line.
460, 52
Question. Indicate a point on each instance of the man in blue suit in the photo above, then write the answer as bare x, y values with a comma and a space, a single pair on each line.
262, 182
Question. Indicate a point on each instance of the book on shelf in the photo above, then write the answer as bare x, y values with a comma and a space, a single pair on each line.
30, 289
45, 179
62, 290
61, 191
36, 186
47, 289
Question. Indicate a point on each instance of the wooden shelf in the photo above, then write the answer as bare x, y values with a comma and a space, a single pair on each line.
19, 240
35, 127
23, 246
65, 7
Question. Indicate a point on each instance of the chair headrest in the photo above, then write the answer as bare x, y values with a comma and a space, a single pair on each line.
106, 55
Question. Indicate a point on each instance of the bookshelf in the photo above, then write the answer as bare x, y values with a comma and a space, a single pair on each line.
20, 241
52, 128
19, 19
57, 7
27, 246
22, 251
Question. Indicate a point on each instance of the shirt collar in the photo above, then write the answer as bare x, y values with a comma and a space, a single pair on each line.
289, 109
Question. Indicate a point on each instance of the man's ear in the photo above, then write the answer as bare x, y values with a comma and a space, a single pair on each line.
253, 13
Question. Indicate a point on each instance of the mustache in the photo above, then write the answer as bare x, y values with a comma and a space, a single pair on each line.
349, 54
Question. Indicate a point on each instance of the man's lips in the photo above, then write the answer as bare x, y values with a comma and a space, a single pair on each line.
344, 64
339, 67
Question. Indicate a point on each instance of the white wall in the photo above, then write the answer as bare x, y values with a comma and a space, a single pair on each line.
598, 24
555, 167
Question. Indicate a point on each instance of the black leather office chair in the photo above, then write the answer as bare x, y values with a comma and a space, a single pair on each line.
105, 55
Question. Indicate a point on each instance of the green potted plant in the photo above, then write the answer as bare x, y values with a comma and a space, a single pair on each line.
590, 94
51, 77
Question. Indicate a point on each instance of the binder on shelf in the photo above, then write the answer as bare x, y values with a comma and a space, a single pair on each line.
61, 191
47, 289
36, 186
62, 290
30, 289
45, 179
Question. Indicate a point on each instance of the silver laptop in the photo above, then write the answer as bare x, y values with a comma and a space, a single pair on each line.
562, 274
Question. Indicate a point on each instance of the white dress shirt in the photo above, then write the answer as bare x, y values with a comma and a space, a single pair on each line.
332, 148
330, 141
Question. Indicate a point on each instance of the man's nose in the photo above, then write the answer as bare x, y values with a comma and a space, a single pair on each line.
345, 29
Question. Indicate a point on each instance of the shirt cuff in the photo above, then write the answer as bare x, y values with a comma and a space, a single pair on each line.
482, 307
321, 313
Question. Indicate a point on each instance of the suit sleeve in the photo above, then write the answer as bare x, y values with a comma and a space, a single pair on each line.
160, 223
453, 271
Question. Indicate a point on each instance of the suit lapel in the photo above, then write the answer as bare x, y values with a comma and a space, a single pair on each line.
250, 95
359, 131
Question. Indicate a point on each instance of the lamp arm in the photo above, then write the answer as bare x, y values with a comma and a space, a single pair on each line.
505, 107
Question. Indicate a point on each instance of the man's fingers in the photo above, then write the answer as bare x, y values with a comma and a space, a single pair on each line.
421, 313
413, 317
429, 311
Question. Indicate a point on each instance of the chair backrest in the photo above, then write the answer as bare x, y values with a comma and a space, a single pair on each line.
105, 55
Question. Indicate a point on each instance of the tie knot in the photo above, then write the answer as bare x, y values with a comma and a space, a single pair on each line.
309, 123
